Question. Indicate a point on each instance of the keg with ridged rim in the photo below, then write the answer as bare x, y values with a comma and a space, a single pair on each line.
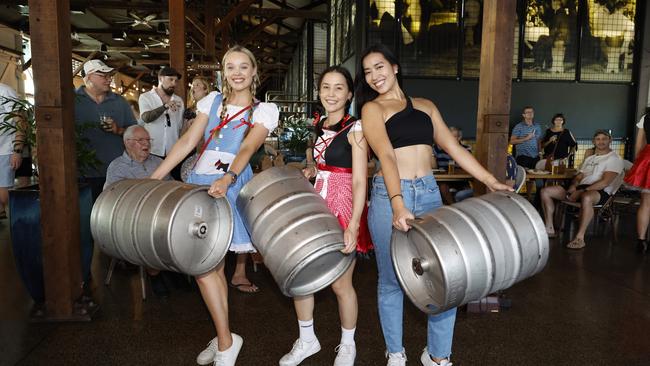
463, 252
165, 225
292, 227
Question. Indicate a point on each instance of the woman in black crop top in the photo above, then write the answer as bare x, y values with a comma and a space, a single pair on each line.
401, 131
639, 176
341, 164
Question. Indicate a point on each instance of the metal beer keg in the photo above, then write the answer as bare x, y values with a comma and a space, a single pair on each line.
294, 230
165, 225
465, 251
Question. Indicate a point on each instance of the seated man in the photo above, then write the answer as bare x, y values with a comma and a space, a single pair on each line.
592, 186
137, 163
443, 160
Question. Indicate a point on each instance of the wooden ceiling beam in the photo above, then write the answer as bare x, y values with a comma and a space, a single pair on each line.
232, 14
257, 30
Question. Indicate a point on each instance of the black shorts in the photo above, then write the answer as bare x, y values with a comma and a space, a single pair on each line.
25, 168
604, 196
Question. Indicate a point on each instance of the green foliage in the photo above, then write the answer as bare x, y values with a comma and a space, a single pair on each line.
22, 120
297, 131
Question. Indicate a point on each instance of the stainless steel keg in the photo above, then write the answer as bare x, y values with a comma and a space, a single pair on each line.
293, 229
465, 251
165, 225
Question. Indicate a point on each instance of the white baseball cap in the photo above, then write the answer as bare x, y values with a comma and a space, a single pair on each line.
96, 66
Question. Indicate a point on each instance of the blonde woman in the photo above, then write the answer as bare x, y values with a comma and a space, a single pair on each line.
234, 126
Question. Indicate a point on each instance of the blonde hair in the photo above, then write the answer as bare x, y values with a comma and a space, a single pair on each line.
203, 81
226, 87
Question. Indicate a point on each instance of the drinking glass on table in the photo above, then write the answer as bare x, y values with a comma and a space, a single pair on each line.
451, 167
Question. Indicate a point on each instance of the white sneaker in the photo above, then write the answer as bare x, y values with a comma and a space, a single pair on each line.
206, 356
426, 360
299, 352
229, 356
345, 354
396, 359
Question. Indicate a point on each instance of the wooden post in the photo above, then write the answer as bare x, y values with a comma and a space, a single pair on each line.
209, 42
51, 51
177, 44
495, 86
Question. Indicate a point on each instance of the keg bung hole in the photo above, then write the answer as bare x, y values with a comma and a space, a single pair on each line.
199, 229
420, 265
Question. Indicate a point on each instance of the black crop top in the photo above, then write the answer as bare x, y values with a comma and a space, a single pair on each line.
409, 127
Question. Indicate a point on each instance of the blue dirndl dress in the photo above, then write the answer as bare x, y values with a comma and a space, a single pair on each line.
215, 161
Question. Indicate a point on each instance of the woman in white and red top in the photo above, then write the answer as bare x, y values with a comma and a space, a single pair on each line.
341, 156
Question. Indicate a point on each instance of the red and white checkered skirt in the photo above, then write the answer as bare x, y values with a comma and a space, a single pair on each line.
335, 186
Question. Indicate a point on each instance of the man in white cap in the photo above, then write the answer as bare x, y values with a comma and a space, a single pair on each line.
106, 114
162, 114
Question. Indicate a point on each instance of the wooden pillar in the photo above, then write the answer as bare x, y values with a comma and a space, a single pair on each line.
177, 43
52, 54
495, 86
209, 43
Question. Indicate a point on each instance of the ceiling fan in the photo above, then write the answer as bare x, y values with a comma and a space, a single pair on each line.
147, 21
162, 42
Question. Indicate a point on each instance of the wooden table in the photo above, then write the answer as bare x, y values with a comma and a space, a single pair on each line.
547, 178
458, 175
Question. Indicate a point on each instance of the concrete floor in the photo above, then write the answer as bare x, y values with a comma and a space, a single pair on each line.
590, 307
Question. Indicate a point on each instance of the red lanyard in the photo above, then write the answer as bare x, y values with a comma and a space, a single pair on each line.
329, 141
216, 130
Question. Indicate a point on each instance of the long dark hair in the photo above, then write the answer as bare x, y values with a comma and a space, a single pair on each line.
364, 93
348, 80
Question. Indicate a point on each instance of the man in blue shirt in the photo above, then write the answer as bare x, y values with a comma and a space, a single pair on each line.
108, 115
526, 138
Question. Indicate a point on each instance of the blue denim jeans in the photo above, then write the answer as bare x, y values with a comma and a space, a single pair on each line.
421, 195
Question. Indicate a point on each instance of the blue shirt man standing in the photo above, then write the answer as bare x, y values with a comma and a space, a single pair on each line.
110, 115
526, 136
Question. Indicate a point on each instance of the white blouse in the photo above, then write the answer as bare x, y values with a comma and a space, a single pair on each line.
266, 114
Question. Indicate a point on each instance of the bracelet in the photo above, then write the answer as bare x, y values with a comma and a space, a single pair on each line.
397, 195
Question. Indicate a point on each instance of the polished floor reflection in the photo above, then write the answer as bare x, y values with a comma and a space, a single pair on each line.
590, 307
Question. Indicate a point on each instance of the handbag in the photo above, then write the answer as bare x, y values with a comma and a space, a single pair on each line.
548, 164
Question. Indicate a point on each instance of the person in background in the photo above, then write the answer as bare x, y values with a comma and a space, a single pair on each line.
401, 132
135, 108
639, 177
96, 104
525, 137
558, 142
11, 148
592, 186
137, 163
162, 113
448, 191
234, 126
200, 88
340, 166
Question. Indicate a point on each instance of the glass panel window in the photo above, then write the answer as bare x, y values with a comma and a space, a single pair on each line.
428, 37
608, 41
550, 39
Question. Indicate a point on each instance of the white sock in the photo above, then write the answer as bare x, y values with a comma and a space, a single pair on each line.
307, 330
347, 336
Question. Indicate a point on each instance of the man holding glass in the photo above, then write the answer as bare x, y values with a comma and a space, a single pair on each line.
103, 116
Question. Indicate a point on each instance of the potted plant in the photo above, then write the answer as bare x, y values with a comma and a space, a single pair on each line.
295, 136
24, 205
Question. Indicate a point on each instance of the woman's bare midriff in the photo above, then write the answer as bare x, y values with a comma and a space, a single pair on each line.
413, 161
